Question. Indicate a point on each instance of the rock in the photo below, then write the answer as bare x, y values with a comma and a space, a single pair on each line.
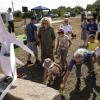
27, 90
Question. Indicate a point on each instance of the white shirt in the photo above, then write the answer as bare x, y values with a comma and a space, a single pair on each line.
97, 52
99, 27
66, 28
9, 16
63, 42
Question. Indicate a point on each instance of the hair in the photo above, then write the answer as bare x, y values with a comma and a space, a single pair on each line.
9, 9
33, 18
92, 36
43, 20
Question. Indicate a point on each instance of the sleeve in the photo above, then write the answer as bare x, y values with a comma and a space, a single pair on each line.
95, 27
70, 28
71, 64
61, 26
53, 34
87, 28
35, 28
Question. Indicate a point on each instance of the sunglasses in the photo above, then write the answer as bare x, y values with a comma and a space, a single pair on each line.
44, 23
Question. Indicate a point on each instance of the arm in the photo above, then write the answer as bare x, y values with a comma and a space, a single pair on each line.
39, 36
36, 37
71, 64
53, 37
69, 44
57, 44
95, 28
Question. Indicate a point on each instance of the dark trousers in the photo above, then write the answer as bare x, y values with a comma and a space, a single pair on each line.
89, 65
10, 26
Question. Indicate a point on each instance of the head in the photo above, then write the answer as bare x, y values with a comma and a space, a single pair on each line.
45, 22
91, 38
92, 20
9, 10
61, 32
33, 19
78, 56
47, 63
66, 21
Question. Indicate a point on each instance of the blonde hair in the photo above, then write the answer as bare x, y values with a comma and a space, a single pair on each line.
46, 20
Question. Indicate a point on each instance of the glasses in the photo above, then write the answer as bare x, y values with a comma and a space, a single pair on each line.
44, 23
65, 21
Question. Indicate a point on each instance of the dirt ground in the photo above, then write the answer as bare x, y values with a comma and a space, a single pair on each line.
90, 90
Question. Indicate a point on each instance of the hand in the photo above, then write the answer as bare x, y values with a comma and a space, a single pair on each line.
62, 87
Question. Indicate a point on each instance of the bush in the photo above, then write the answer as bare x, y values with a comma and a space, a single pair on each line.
18, 14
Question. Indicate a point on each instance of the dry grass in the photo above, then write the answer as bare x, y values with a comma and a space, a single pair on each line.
70, 93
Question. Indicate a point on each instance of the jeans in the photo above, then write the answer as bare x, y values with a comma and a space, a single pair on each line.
10, 26
89, 65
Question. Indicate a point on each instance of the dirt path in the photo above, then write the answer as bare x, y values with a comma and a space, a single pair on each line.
90, 90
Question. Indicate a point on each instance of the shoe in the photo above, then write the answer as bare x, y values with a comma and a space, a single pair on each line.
78, 83
37, 61
28, 62
92, 76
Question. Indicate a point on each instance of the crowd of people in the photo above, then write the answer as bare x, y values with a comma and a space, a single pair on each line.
88, 53
45, 38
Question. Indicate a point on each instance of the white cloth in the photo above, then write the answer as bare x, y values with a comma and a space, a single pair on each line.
6, 36
63, 41
99, 27
66, 28
9, 16
97, 52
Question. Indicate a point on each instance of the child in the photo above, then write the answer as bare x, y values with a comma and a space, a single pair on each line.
53, 74
92, 44
63, 44
81, 56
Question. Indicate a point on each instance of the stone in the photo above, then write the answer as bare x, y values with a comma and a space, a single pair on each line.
28, 90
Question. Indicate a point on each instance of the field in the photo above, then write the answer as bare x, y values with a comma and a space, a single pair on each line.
90, 90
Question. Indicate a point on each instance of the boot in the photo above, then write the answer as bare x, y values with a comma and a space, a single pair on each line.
78, 83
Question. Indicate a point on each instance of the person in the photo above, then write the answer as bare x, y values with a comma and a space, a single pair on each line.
10, 20
66, 27
32, 38
92, 44
82, 16
92, 27
84, 33
98, 37
63, 44
81, 56
97, 52
46, 36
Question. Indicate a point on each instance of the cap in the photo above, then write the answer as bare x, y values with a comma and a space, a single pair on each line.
61, 31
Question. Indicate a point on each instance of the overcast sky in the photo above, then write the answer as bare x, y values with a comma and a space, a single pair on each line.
4, 4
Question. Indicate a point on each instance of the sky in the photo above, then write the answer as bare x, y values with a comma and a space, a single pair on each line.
52, 4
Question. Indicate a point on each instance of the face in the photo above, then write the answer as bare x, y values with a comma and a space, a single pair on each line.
66, 21
79, 58
45, 24
91, 40
34, 21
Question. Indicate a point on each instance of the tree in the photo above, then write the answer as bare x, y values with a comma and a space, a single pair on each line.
18, 13
78, 9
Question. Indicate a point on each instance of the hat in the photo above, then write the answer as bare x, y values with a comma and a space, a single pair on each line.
61, 31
